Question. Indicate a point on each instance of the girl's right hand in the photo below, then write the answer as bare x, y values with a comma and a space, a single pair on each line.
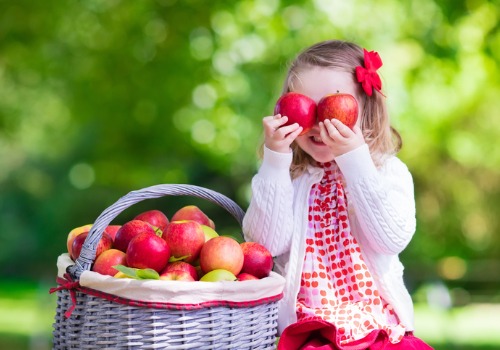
277, 137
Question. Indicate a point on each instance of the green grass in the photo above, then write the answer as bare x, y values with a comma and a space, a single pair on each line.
474, 326
26, 315
27, 312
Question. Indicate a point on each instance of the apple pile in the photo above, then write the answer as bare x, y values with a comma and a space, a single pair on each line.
185, 248
303, 110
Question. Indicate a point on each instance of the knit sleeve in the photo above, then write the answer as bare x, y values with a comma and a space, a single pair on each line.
383, 199
268, 219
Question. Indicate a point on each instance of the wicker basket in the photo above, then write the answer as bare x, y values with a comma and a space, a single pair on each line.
92, 317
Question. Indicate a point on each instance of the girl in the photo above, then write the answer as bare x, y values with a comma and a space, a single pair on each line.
335, 206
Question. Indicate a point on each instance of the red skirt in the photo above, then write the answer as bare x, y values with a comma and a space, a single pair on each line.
321, 335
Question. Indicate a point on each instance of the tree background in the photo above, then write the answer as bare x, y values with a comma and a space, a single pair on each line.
99, 98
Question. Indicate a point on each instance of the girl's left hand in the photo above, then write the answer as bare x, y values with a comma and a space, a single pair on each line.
339, 137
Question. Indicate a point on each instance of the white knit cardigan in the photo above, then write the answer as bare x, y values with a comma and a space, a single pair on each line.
381, 212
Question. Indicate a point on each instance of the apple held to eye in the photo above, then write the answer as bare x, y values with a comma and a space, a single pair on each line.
343, 107
298, 108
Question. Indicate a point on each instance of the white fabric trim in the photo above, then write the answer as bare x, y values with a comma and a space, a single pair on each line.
178, 292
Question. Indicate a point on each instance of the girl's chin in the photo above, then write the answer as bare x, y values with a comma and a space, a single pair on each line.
323, 159
318, 150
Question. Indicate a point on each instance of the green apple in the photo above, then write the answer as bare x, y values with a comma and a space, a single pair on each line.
209, 232
218, 275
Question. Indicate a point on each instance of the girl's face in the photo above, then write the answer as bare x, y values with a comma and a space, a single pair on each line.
316, 83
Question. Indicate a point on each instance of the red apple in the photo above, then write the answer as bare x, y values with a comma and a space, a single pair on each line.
221, 253
107, 259
185, 239
298, 108
243, 276
192, 212
177, 275
155, 218
257, 261
104, 243
181, 266
343, 107
148, 250
128, 231
112, 230
75, 232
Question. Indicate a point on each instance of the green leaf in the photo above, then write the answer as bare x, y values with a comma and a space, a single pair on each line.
138, 274
148, 274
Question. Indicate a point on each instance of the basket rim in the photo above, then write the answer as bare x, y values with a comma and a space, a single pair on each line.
179, 295
174, 306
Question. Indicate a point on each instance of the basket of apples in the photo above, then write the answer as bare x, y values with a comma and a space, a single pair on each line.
159, 283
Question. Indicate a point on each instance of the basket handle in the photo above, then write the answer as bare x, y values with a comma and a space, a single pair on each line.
87, 255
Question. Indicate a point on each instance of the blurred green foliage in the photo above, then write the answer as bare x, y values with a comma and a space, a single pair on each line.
98, 98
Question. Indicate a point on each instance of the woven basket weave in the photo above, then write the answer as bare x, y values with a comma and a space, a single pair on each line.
96, 319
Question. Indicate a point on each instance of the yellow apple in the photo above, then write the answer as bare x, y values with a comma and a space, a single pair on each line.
72, 235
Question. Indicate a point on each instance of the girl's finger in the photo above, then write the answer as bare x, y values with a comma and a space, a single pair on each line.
285, 130
293, 135
272, 123
331, 129
343, 129
278, 121
357, 130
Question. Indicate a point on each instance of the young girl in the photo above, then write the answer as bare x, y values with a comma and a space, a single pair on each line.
335, 206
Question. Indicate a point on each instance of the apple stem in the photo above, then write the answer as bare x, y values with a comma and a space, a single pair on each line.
158, 231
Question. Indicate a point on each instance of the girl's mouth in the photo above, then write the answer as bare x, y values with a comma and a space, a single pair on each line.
316, 140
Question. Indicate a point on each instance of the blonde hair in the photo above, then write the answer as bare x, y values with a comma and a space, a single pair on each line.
381, 137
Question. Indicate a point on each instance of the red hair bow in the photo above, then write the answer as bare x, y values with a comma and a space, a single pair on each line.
367, 75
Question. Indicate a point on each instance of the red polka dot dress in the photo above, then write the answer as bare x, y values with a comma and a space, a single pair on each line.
336, 285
